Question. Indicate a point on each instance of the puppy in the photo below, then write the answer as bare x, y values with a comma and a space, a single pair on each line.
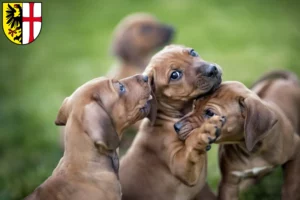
135, 39
261, 131
95, 116
158, 165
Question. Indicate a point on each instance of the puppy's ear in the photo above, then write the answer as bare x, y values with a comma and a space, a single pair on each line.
153, 110
122, 47
63, 113
99, 126
260, 119
119, 48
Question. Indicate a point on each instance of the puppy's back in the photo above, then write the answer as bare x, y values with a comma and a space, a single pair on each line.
283, 89
49, 190
275, 75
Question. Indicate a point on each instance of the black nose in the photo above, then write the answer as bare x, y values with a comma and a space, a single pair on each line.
212, 70
169, 28
168, 32
177, 126
145, 78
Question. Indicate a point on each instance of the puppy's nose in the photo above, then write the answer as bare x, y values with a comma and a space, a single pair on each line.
169, 28
177, 126
145, 78
168, 32
212, 70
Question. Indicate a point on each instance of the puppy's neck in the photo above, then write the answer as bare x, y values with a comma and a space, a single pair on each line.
173, 109
138, 62
130, 67
127, 70
83, 156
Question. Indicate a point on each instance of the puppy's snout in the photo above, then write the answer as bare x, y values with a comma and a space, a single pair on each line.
178, 126
212, 70
142, 78
169, 28
145, 78
168, 32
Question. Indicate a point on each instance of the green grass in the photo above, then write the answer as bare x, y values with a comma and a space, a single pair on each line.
247, 38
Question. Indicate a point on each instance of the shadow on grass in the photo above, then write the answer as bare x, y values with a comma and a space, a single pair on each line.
269, 188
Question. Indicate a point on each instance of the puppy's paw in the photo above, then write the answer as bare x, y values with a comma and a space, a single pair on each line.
201, 138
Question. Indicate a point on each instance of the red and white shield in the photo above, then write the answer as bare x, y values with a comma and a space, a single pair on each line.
31, 21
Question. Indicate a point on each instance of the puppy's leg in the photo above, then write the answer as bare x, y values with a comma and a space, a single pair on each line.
188, 162
206, 194
229, 184
246, 183
229, 188
291, 185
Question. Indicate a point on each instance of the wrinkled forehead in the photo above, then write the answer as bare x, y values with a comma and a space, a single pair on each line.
174, 49
230, 89
227, 92
99, 86
102, 83
172, 54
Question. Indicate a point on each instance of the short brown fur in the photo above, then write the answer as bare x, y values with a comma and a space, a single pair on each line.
158, 165
95, 116
261, 132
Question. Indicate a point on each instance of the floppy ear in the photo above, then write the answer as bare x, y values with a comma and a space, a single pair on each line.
153, 111
63, 113
260, 119
122, 47
99, 126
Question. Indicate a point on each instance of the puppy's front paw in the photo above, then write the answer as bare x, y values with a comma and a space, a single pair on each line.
201, 138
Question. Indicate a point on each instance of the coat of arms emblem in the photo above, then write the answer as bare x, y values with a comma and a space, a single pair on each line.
22, 22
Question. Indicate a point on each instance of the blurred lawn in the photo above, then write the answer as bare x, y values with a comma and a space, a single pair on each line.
246, 38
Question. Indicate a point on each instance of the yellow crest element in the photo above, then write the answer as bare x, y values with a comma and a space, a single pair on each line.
12, 21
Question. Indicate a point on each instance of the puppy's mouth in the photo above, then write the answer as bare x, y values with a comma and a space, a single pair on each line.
212, 88
217, 84
145, 110
184, 132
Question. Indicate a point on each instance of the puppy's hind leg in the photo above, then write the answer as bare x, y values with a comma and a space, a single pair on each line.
291, 184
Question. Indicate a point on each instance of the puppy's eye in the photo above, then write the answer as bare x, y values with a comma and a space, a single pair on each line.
193, 53
176, 75
122, 88
209, 113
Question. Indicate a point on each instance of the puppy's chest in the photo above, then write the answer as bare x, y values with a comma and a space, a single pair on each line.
254, 167
184, 192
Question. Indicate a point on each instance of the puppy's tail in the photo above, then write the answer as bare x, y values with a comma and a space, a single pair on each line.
278, 74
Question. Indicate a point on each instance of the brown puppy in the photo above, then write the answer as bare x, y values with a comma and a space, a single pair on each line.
135, 39
158, 165
260, 132
95, 116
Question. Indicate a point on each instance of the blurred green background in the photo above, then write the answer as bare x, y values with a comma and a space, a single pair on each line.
247, 38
